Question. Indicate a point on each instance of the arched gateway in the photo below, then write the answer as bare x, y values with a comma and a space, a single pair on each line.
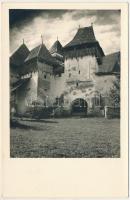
79, 107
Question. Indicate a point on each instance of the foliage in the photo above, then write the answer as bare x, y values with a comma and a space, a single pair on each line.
115, 92
61, 111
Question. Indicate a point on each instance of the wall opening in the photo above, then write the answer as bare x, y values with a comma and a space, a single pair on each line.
79, 107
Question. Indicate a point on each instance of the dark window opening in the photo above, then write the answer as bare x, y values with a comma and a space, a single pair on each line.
45, 76
69, 74
79, 71
77, 84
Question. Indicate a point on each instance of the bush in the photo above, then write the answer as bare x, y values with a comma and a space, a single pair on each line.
96, 112
38, 112
62, 112
112, 112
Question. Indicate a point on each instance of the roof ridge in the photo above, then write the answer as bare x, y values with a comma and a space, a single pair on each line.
15, 51
86, 27
39, 49
56, 47
83, 35
116, 52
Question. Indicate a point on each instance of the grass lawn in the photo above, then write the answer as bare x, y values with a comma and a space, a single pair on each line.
70, 137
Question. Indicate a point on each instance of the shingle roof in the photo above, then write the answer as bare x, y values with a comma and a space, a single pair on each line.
18, 84
94, 50
33, 53
84, 43
110, 64
41, 53
56, 48
83, 35
58, 70
18, 57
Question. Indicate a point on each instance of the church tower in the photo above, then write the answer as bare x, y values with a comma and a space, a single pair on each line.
82, 55
57, 52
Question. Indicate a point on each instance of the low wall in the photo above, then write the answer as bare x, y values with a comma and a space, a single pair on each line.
95, 112
112, 112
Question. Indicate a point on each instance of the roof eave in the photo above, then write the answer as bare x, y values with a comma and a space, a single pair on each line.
107, 73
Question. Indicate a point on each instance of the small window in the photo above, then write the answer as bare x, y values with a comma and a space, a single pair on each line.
77, 84
45, 76
69, 74
79, 71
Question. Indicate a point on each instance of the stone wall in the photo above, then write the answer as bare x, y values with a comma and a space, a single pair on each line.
80, 68
27, 93
45, 74
80, 81
112, 112
66, 84
58, 86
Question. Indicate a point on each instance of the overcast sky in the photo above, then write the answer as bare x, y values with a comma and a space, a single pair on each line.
30, 24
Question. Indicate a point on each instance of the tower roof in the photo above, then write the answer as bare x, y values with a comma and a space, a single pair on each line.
110, 64
84, 35
18, 57
56, 48
41, 53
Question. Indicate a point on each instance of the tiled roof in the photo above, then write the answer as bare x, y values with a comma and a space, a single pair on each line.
33, 53
18, 84
94, 50
41, 53
18, 57
83, 35
110, 64
84, 43
58, 70
56, 48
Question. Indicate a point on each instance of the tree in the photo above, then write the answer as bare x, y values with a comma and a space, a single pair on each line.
115, 92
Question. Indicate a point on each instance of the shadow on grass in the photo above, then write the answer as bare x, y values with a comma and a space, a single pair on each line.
39, 120
16, 124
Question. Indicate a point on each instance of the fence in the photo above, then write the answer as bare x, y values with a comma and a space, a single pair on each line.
112, 112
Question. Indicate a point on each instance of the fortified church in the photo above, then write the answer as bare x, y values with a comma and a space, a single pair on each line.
77, 72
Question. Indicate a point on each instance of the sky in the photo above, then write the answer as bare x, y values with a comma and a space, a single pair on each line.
31, 24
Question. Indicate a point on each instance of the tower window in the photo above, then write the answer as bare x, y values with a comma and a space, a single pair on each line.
77, 84
79, 71
45, 76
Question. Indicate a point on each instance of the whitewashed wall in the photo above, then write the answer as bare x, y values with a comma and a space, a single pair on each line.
27, 93
90, 84
81, 69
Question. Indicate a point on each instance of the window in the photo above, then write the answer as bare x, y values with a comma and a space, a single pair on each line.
69, 74
45, 76
77, 84
79, 71
96, 101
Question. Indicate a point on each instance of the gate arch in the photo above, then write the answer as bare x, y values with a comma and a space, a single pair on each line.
79, 107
